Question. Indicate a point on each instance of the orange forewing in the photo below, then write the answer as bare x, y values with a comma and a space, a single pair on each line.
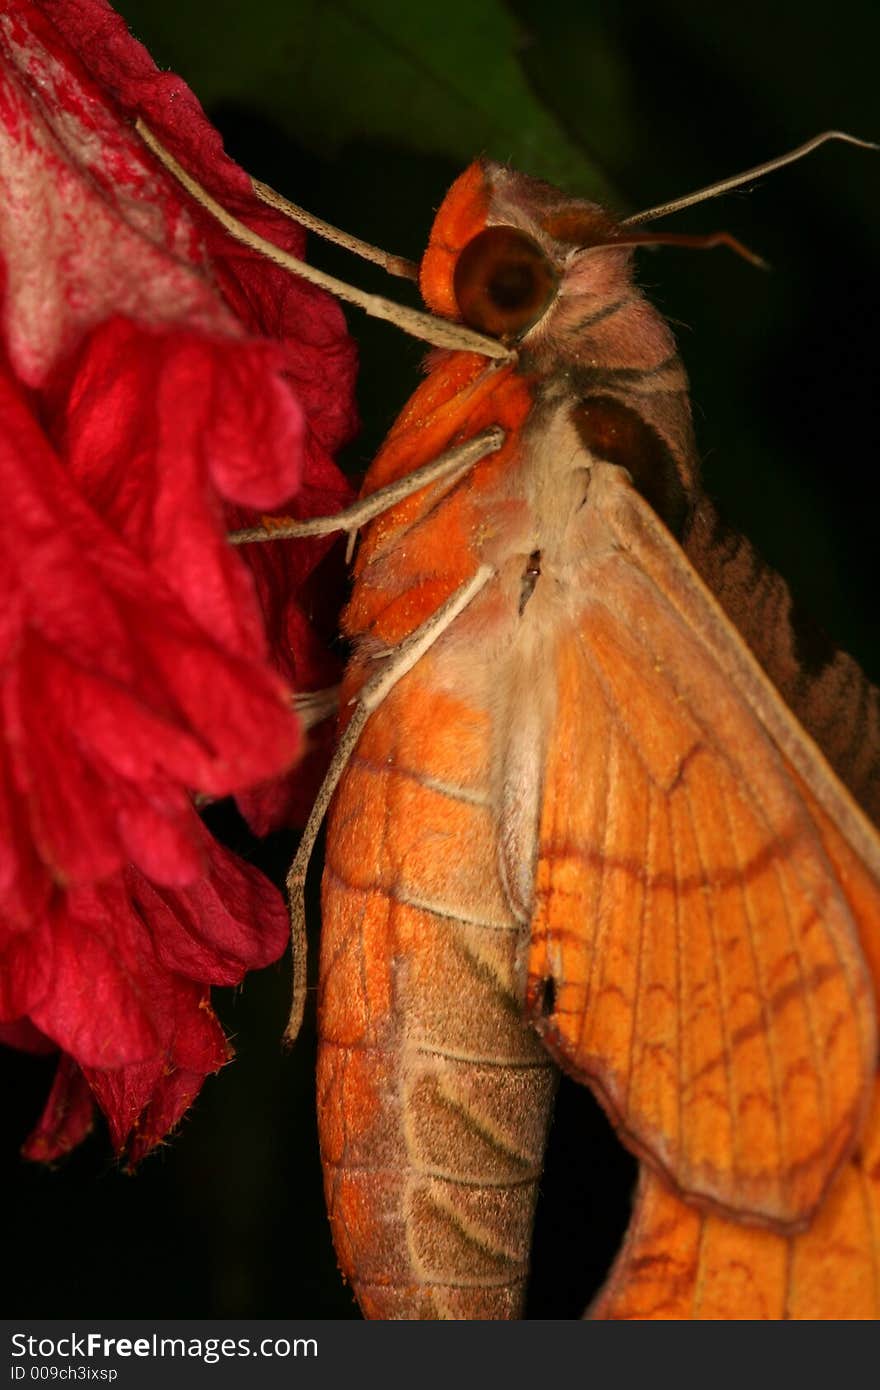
695, 954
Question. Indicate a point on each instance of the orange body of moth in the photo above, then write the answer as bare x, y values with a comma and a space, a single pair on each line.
607, 822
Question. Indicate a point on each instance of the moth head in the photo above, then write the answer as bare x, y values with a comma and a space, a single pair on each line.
505, 247
509, 254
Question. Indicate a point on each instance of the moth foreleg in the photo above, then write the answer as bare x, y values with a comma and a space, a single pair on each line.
447, 466
439, 331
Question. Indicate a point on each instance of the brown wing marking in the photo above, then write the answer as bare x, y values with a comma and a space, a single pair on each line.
707, 977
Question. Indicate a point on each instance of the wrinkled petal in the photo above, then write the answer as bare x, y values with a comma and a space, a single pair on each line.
65, 133
320, 358
130, 964
301, 596
68, 1116
89, 227
172, 1095
157, 430
156, 1093
126, 997
159, 384
27, 959
104, 1002
114, 701
23, 1035
206, 931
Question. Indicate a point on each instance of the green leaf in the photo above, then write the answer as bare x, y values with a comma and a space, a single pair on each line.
441, 81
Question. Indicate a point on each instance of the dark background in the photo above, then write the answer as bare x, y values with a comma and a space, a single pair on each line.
365, 112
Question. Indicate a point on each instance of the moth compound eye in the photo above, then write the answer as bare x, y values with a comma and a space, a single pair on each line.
503, 282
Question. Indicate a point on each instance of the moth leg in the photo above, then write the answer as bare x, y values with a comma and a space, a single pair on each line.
441, 332
371, 695
448, 465
296, 878
394, 265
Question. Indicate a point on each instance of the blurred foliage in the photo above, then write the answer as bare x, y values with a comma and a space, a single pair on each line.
444, 82
365, 112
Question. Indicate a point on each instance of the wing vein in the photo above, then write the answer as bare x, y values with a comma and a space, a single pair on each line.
679, 991
760, 981
868, 1199
720, 751
807, 1000
640, 958
719, 986
700, 1264
607, 792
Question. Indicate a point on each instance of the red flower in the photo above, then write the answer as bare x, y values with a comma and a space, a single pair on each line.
155, 378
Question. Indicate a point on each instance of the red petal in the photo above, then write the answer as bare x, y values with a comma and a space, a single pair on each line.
134, 666
91, 228
319, 356
156, 430
26, 963
127, 1093
301, 595
172, 1096
125, 989
118, 991
24, 884
103, 1002
228, 922
23, 1035
67, 1118
116, 702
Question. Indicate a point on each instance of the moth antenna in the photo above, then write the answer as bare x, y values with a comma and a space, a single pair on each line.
394, 265
714, 190
706, 242
438, 332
